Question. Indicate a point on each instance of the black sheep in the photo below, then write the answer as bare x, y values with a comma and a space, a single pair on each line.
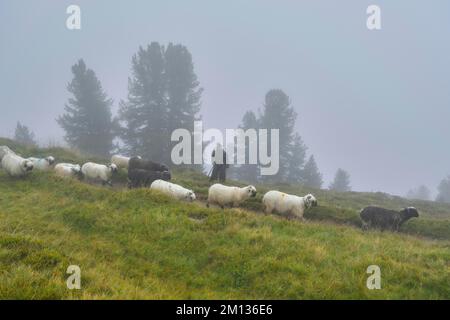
143, 178
138, 163
384, 219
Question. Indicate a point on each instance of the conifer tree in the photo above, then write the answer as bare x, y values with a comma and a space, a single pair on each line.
277, 113
444, 190
341, 181
87, 120
163, 95
24, 135
311, 176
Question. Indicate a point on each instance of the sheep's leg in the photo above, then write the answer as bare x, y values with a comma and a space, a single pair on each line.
290, 216
365, 226
268, 210
299, 217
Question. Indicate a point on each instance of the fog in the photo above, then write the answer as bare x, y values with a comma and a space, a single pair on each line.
376, 103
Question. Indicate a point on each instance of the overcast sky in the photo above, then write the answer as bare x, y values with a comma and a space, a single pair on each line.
376, 103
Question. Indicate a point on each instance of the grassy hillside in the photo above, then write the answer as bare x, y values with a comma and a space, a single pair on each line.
141, 244
343, 208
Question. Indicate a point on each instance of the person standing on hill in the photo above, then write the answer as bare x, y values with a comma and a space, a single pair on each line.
219, 161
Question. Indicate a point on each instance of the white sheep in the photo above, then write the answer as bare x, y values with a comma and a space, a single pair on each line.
15, 165
233, 196
4, 150
42, 164
67, 170
173, 190
95, 171
120, 161
288, 204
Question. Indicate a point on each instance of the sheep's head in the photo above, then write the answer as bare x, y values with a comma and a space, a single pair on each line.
310, 201
113, 168
190, 196
251, 191
408, 213
164, 167
77, 171
27, 165
50, 160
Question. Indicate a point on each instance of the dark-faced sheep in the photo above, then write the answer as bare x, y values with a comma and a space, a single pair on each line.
138, 163
283, 203
95, 171
229, 196
68, 170
173, 190
143, 178
4, 150
42, 164
385, 219
16, 166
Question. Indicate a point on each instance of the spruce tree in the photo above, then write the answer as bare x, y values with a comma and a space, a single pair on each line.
183, 91
248, 172
163, 95
444, 191
278, 113
24, 135
144, 114
311, 176
420, 193
297, 155
87, 120
341, 181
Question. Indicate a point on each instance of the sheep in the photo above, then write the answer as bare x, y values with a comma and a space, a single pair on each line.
4, 150
67, 170
121, 161
94, 171
376, 217
15, 165
283, 203
143, 178
42, 164
225, 195
138, 163
173, 190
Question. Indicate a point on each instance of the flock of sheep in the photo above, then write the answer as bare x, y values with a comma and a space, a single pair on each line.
146, 173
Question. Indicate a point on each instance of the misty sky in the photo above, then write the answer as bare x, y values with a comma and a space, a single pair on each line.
376, 103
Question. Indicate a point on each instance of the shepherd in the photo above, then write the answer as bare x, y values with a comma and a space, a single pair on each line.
219, 161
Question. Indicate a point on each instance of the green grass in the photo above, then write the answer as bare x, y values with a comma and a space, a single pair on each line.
139, 244
341, 208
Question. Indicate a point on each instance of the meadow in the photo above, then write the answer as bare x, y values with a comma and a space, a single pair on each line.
140, 244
